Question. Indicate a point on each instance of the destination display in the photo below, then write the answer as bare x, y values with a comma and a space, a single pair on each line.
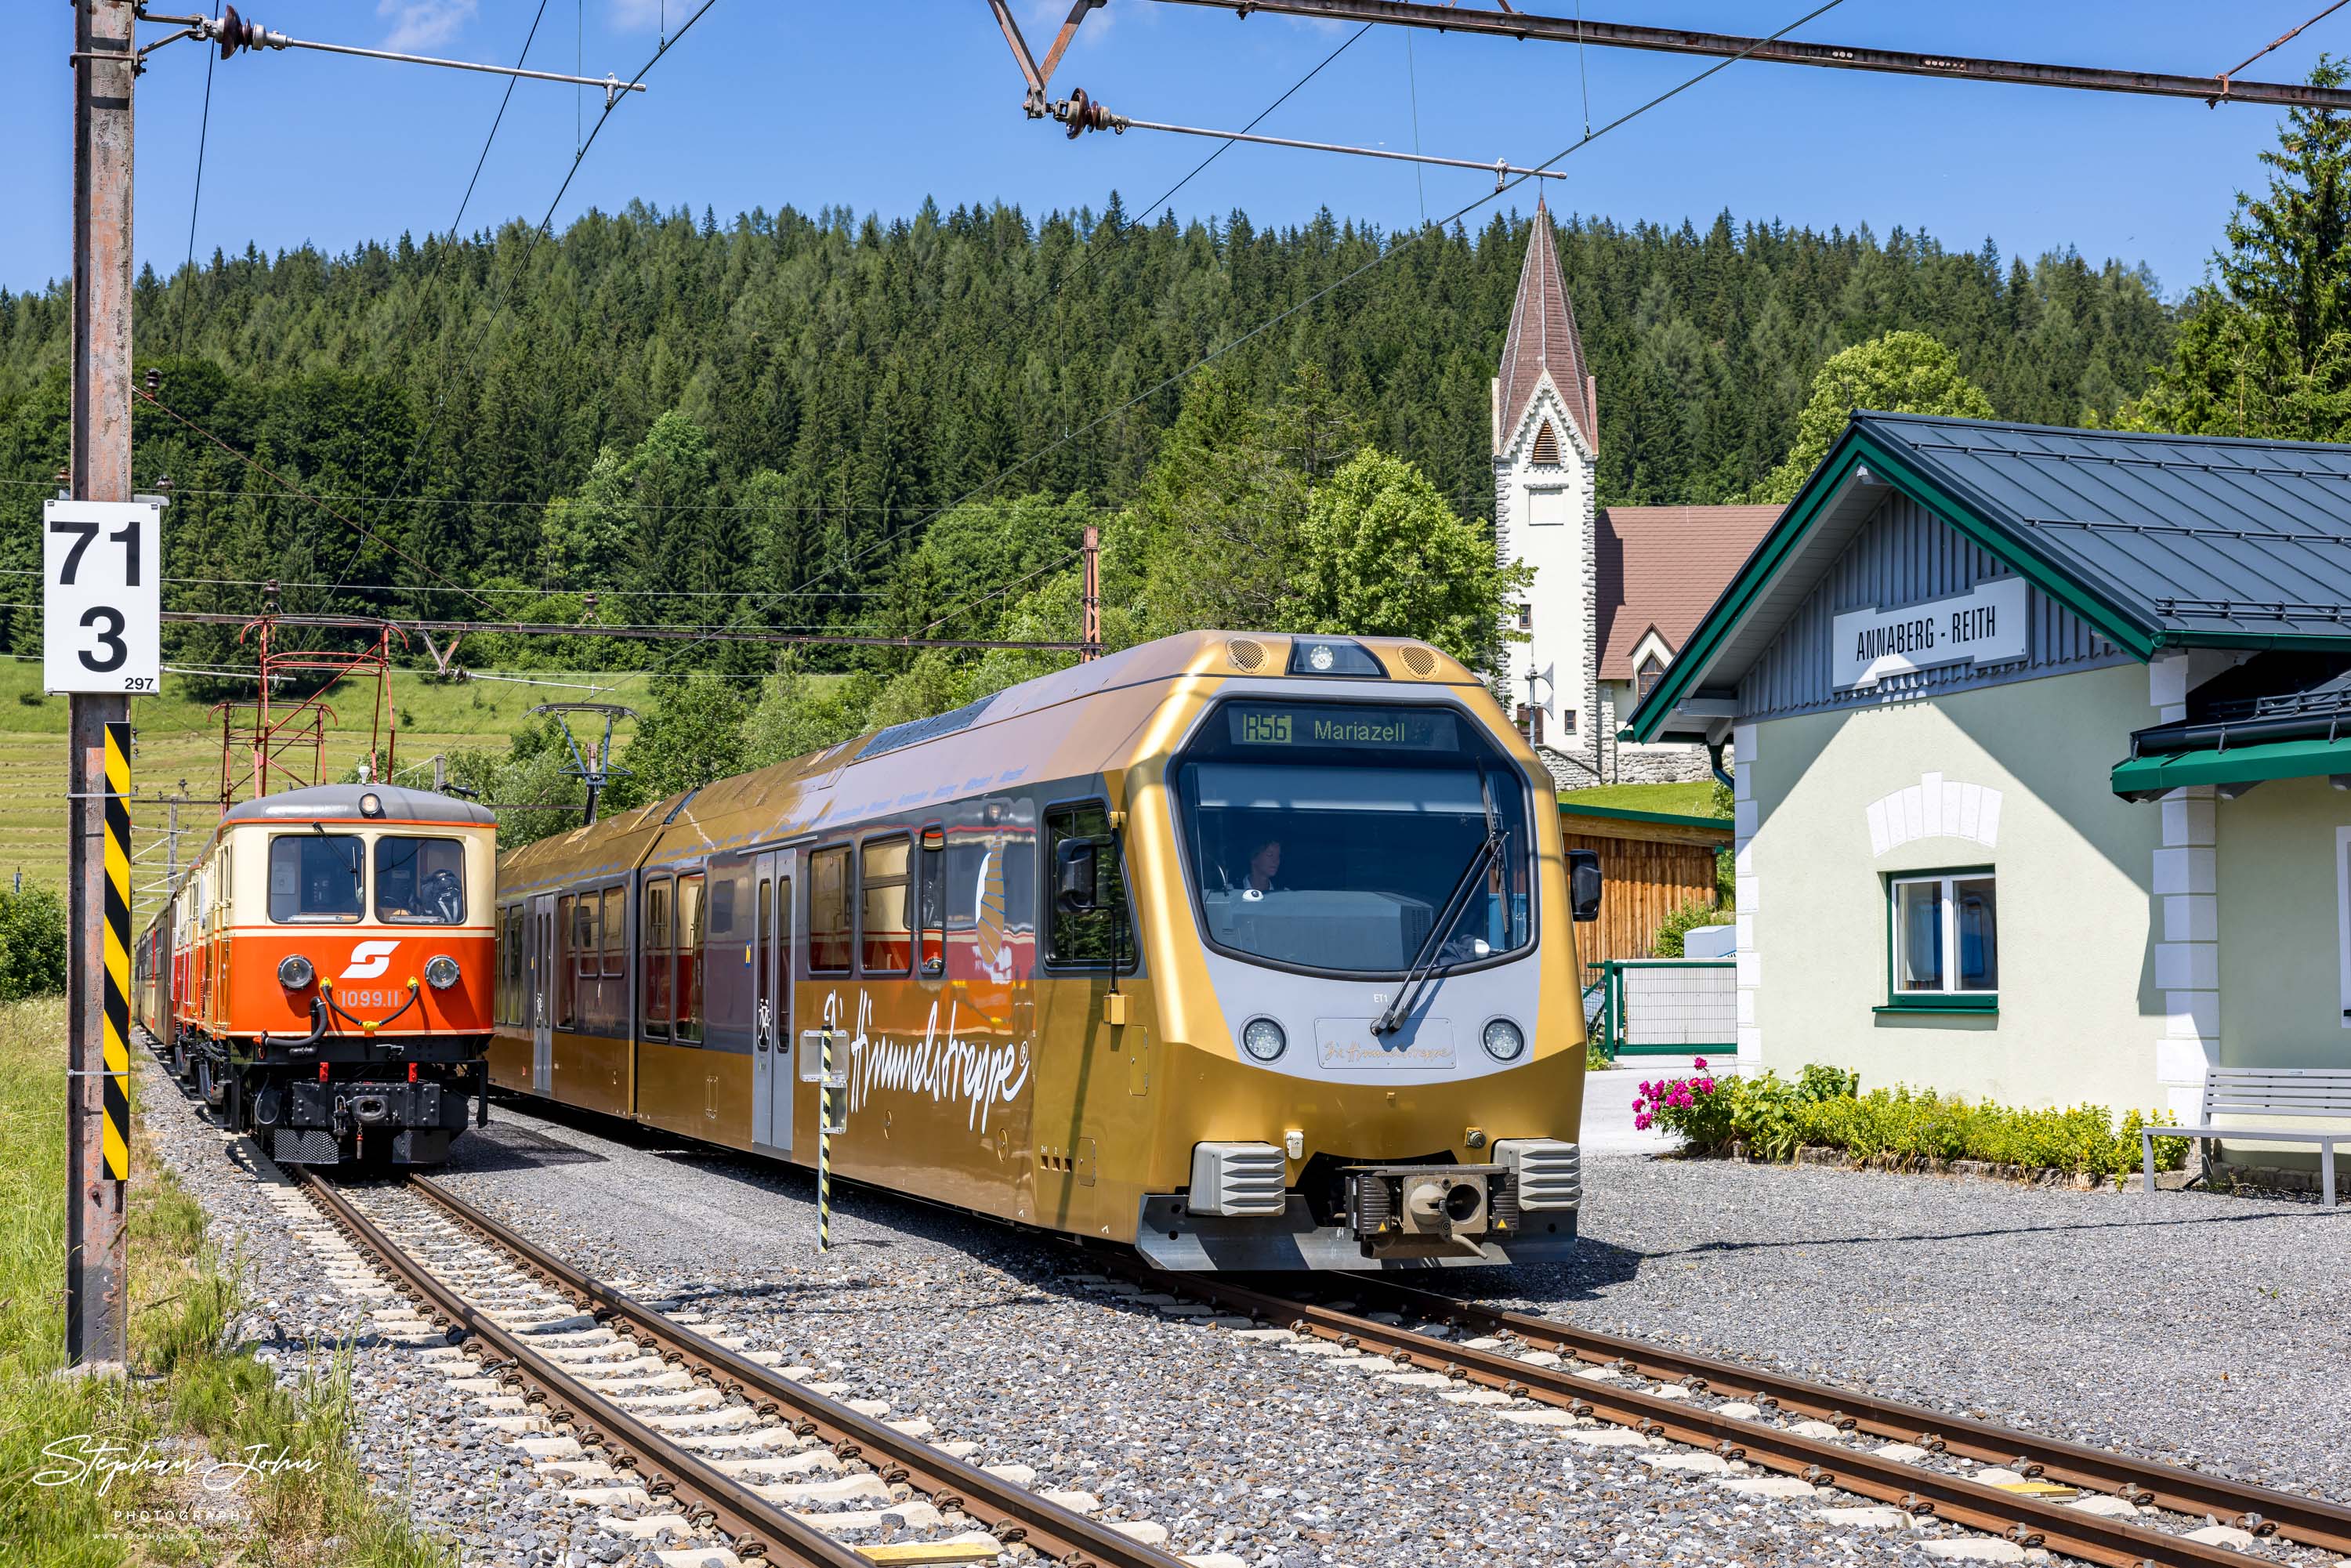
1358, 728
1984, 626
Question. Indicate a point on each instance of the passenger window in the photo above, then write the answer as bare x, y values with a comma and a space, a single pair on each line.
616, 929
514, 987
566, 984
931, 902
888, 943
1086, 938
687, 990
314, 879
420, 881
829, 937
656, 956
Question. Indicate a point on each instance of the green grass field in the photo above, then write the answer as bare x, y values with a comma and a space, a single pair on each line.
1687, 799
178, 738
190, 1385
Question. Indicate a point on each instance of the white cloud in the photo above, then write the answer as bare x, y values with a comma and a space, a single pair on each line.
421, 24
642, 15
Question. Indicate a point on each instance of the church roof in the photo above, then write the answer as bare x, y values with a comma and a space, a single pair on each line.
1543, 339
1661, 567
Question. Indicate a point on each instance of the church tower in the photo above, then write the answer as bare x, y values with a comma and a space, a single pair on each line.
1546, 457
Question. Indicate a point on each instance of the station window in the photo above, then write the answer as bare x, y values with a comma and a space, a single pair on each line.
687, 989
656, 955
1086, 939
1943, 940
829, 935
886, 939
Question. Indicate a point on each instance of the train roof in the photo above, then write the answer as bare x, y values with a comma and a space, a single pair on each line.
835, 784
400, 805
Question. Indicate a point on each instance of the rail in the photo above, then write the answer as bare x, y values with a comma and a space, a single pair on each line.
1012, 1512
759, 1527
1913, 1488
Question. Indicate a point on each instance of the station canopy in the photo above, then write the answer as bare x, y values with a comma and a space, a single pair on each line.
2162, 543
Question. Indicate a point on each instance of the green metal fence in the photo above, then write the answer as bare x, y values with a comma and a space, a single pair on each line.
1664, 1007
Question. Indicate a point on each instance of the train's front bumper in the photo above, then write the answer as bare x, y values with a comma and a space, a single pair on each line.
1522, 1210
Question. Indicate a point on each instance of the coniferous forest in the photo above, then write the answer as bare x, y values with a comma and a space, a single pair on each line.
671, 413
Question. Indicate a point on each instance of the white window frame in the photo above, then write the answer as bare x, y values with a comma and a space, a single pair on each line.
1896, 993
1535, 508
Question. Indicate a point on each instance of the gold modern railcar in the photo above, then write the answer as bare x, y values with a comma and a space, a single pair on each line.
1251, 951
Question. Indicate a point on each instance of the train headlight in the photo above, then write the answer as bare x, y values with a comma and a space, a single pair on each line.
294, 972
440, 972
370, 804
1504, 1041
1264, 1041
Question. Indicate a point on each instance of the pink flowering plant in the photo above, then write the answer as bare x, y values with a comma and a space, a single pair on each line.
1694, 1107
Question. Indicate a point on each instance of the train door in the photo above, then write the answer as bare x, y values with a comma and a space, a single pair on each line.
771, 1003
543, 981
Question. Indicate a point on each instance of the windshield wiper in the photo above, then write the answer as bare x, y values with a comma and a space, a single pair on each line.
1457, 904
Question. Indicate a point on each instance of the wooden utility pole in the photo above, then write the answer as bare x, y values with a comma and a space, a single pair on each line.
97, 1288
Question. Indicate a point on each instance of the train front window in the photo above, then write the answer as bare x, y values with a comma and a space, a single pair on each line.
1332, 838
420, 881
315, 878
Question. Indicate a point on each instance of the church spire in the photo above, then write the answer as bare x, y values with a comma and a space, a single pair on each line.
1544, 341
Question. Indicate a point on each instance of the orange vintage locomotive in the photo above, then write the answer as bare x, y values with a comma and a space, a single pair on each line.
323, 972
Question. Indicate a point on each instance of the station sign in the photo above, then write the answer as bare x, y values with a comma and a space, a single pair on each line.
1983, 627
102, 596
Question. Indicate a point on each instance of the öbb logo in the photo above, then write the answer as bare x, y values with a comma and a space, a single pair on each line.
370, 959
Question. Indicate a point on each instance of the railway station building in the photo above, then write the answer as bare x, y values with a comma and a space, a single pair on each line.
1616, 588
2042, 742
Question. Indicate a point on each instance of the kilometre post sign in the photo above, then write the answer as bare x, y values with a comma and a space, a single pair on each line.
101, 596
1982, 626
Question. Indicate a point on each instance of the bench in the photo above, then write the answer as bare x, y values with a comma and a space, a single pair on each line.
2268, 1092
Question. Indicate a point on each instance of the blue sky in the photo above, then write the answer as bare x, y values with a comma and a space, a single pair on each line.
876, 104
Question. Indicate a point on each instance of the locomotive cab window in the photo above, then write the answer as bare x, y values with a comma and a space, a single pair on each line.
315, 878
930, 900
420, 881
829, 935
886, 939
1085, 891
1334, 838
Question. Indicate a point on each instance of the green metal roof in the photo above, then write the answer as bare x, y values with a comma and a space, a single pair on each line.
1569, 806
2156, 540
2233, 765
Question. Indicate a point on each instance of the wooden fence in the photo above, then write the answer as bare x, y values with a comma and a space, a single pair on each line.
1651, 863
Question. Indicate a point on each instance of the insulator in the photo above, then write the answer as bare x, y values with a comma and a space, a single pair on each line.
235, 32
1082, 114
154, 380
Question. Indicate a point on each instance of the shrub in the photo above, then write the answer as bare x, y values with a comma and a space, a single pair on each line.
32, 944
1824, 1107
1667, 943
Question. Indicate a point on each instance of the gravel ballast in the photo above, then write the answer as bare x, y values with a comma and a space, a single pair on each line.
2101, 1317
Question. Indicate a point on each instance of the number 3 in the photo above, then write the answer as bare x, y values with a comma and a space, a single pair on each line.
110, 639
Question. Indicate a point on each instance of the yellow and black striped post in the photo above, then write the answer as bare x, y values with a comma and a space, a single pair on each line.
824, 1144
98, 1097
115, 1086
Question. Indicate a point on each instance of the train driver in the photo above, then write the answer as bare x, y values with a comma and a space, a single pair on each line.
1264, 866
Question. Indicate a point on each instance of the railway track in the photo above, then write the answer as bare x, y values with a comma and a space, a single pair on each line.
678, 1435
2025, 1492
